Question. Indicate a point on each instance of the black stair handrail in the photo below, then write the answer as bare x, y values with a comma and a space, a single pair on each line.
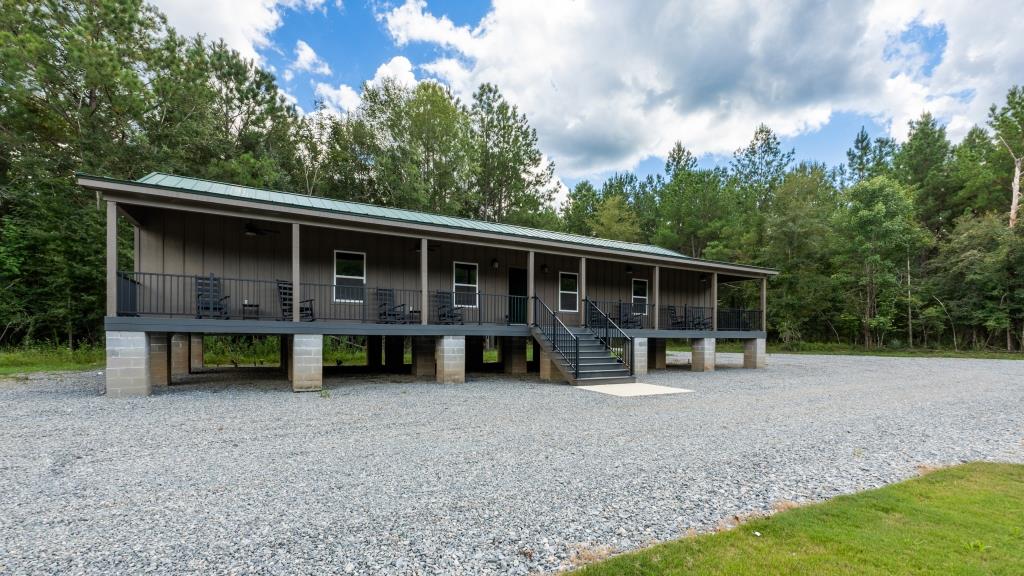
614, 338
558, 334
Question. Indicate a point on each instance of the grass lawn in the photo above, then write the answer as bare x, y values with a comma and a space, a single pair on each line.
49, 359
963, 520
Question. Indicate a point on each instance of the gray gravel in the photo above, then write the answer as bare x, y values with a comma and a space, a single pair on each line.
239, 475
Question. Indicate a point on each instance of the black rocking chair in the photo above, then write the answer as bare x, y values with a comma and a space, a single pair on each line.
447, 312
692, 319
390, 313
285, 297
210, 298
628, 319
698, 319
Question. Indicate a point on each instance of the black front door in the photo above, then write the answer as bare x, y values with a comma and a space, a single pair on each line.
517, 295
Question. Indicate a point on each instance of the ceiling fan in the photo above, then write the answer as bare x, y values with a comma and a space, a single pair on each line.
251, 229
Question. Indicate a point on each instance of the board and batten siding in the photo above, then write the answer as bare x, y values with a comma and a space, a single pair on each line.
443, 256
172, 242
189, 243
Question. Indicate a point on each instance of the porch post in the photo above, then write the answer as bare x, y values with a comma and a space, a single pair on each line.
583, 290
764, 303
656, 293
424, 298
714, 301
111, 258
530, 289
296, 276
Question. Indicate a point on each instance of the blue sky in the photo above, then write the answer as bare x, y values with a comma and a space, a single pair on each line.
609, 85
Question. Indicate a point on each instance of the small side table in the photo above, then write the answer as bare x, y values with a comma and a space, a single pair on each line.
250, 311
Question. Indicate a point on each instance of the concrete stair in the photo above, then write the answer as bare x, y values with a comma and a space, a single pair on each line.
597, 364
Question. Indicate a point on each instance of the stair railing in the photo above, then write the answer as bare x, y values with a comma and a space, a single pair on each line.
614, 339
558, 334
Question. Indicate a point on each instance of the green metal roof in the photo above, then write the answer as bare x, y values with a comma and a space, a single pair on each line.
209, 188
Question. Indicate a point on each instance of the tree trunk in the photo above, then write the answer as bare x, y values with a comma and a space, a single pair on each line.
1015, 201
1015, 185
910, 317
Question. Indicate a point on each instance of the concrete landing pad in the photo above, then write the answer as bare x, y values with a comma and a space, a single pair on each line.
634, 389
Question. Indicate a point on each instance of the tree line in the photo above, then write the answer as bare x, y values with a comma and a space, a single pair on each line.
912, 244
902, 245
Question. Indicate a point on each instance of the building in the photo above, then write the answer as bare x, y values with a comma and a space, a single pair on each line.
214, 258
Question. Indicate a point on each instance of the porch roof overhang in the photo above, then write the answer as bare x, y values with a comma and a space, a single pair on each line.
164, 191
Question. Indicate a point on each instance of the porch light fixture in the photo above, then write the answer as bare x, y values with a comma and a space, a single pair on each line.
544, 268
629, 269
494, 263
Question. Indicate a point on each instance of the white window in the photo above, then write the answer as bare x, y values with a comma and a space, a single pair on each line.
465, 285
639, 296
568, 292
349, 276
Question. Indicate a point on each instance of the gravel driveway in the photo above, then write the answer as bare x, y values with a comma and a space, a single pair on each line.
239, 475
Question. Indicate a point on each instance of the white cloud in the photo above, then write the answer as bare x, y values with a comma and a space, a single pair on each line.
245, 25
306, 60
399, 68
411, 23
608, 84
342, 98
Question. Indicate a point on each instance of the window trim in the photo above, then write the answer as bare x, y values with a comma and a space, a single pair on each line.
476, 287
334, 287
576, 300
646, 296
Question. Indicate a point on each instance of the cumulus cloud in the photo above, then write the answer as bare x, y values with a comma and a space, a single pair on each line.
342, 98
399, 68
307, 60
608, 84
245, 25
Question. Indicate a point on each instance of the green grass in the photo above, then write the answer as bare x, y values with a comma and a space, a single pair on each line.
265, 350
49, 359
963, 520
848, 350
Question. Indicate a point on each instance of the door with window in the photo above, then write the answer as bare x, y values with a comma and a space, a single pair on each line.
517, 295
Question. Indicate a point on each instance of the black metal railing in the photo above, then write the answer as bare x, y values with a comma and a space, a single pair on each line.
562, 339
449, 307
739, 319
205, 296
614, 339
127, 295
629, 315
212, 296
365, 304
